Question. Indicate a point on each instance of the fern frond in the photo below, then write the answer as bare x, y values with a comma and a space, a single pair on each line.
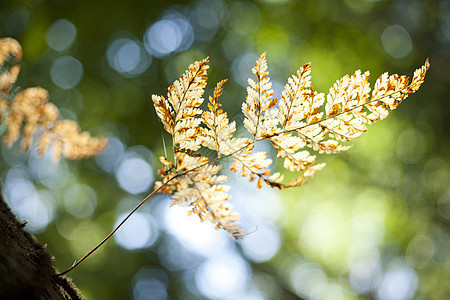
260, 120
294, 97
27, 106
67, 140
3, 106
9, 47
303, 119
349, 109
208, 197
251, 165
8, 78
218, 127
31, 108
199, 187
179, 112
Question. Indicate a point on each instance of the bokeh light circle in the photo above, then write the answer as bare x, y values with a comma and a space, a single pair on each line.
206, 241
61, 35
150, 283
222, 276
398, 283
365, 274
66, 72
128, 57
134, 175
263, 244
137, 232
396, 41
171, 34
80, 200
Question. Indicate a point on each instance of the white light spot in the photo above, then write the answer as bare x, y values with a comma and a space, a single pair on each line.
137, 232
411, 146
150, 283
80, 200
196, 236
146, 287
18, 186
134, 175
321, 229
61, 35
171, 34
368, 229
263, 244
365, 274
46, 172
399, 283
241, 66
66, 72
37, 208
206, 23
126, 56
396, 41
305, 276
222, 276
108, 158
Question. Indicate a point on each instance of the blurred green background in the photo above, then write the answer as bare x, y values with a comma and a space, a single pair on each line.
374, 224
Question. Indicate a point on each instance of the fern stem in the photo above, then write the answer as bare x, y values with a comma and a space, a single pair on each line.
128, 216
116, 228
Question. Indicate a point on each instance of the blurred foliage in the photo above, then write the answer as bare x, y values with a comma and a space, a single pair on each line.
373, 224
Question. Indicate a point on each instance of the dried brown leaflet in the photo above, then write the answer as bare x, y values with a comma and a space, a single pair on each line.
31, 110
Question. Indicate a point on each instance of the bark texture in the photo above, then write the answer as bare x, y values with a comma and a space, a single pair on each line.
26, 267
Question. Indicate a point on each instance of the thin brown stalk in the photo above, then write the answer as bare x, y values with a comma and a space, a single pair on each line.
129, 215
115, 229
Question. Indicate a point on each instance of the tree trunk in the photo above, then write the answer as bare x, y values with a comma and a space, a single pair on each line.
26, 267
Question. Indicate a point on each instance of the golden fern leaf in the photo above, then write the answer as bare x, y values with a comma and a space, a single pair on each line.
260, 120
218, 128
204, 192
199, 188
347, 111
294, 97
299, 105
179, 112
302, 119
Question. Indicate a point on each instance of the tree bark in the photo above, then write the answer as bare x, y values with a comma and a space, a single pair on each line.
26, 267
